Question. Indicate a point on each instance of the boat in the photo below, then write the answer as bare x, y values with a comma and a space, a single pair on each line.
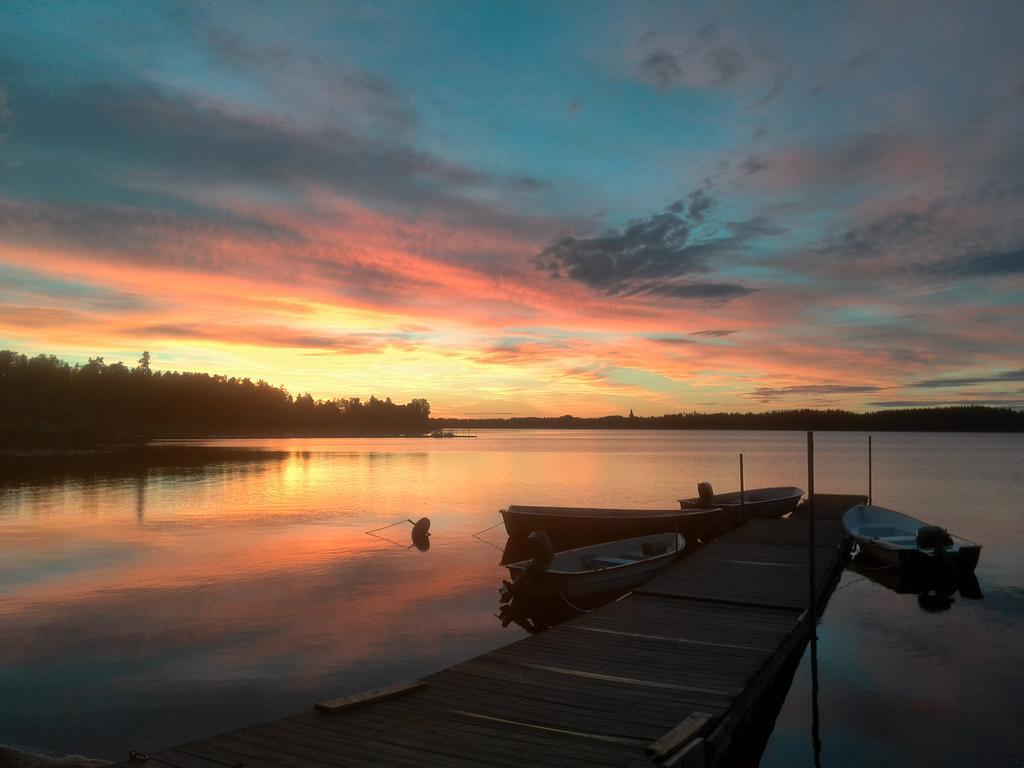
569, 527
757, 502
601, 568
897, 539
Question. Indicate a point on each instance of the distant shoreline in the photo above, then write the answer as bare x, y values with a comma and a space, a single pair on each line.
945, 419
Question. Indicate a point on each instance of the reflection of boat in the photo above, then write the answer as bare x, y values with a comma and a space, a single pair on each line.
757, 502
579, 526
897, 539
934, 587
601, 568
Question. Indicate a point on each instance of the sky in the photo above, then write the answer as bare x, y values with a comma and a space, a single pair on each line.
524, 208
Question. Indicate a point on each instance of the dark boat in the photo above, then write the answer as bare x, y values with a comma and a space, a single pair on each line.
757, 502
569, 527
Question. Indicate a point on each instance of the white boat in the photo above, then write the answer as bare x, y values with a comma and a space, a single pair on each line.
600, 568
897, 539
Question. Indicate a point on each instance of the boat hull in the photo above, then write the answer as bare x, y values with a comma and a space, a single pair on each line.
757, 502
569, 527
579, 585
889, 537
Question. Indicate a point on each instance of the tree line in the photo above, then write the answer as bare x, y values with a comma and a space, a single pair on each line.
972, 418
45, 400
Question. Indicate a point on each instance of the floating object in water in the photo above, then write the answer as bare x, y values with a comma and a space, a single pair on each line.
898, 539
758, 502
595, 569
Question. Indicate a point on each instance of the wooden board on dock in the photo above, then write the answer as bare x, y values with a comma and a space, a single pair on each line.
673, 672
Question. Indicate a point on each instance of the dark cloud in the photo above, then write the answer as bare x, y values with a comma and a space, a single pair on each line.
711, 57
752, 165
115, 140
718, 332
132, 230
311, 82
708, 291
183, 137
658, 255
979, 265
772, 393
671, 340
361, 343
25, 284
999, 378
661, 68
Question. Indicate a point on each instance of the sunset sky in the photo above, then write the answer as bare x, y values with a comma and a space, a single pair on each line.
524, 208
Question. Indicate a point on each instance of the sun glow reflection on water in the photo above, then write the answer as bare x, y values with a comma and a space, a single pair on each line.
143, 609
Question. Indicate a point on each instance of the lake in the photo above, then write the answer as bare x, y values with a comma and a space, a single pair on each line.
145, 607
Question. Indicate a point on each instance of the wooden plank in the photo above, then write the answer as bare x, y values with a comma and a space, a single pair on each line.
679, 735
334, 706
444, 731
691, 756
550, 729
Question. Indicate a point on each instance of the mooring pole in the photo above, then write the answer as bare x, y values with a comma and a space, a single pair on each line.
813, 601
869, 470
743, 494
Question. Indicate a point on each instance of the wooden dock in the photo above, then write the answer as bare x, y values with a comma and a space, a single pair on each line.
675, 674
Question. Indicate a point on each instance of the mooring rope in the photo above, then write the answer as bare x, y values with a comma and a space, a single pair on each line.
478, 537
569, 603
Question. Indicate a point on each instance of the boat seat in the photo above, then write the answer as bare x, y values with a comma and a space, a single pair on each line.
881, 531
607, 561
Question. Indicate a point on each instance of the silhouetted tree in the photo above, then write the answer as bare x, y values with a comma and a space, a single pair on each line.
46, 400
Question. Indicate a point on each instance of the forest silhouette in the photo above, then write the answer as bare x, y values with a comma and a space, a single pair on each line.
45, 401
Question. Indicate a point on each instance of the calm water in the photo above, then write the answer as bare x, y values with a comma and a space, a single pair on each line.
143, 609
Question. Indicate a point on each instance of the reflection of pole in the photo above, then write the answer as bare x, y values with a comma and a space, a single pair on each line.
813, 601
869, 470
140, 495
743, 495
815, 726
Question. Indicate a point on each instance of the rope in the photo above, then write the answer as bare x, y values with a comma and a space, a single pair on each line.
478, 537
390, 525
567, 602
491, 528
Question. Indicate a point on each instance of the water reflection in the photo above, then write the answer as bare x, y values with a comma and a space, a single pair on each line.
935, 588
161, 601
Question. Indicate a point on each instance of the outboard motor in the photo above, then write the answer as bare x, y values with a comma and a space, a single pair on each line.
538, 544
707, 494
933, 536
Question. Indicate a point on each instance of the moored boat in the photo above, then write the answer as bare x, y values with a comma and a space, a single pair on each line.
601, 568
580, 526
894, 538
756, 502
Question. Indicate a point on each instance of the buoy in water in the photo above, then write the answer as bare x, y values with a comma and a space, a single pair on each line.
421, 534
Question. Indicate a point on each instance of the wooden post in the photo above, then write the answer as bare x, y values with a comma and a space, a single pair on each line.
810, 532
869, 470
743, 495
